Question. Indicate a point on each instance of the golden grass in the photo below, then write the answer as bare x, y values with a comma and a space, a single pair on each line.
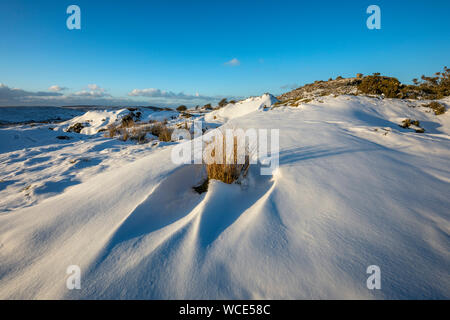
229, 170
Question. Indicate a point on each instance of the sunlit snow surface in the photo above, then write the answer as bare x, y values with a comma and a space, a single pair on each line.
353, 189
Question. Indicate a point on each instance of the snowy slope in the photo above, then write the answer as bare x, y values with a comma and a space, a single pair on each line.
96, 120
353, 189
241, 108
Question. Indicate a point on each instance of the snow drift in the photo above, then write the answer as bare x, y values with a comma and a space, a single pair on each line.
241, 108
353, 189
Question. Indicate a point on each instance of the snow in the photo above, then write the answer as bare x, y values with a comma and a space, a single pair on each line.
96, 120
353, 189
241, 108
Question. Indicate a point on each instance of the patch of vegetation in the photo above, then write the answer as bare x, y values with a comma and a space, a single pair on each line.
430, 88
77, 127
112, 130
223, 102
63, 137
436, 106
407, 123
377, 84
229, 170
160, 130
182, 108
128, 120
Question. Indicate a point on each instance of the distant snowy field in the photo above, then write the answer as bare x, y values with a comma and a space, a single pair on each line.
353, 189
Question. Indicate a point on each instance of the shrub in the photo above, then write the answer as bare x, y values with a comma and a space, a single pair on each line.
436, 106
125, 135
165, 134
139, 134
182, 108
339, 78
161, 131
408, 123
112, 130
359, 75
207, 106
77, 127
223, 102
127, 120
376, 84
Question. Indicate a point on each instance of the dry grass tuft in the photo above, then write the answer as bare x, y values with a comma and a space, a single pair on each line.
229, 170
138, 131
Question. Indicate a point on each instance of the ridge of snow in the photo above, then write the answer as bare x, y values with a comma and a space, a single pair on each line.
241, 108
96, 120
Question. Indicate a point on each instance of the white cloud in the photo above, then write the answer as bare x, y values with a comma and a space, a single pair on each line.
56, 88
93, 94
14, 95
94, 91
233, 62
158, 93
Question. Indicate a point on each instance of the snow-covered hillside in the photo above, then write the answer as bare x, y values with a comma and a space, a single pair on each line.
353, 189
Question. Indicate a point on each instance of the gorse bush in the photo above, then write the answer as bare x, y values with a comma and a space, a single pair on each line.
436, 106
182, 108
377, 84
429, 88
223, 102
407, 123
434, 87
77, 127
437, 86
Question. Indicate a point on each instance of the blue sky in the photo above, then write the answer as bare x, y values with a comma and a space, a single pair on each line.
176, 52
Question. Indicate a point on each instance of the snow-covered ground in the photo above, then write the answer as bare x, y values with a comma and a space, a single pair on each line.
353, 189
